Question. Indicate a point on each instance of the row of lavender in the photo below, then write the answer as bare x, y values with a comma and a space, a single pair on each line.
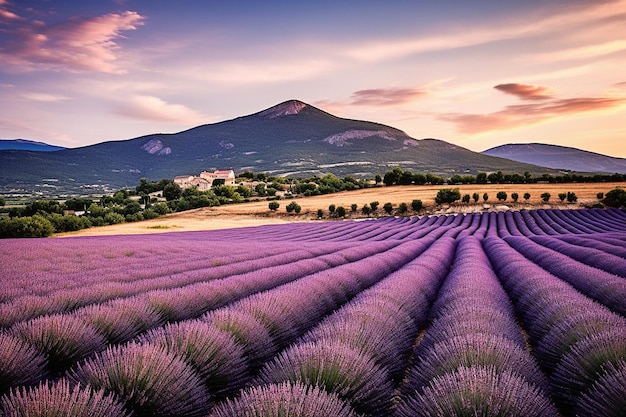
186, 342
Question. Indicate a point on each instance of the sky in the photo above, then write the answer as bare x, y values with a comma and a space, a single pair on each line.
474, 73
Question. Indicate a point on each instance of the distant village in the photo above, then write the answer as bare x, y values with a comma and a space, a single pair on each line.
206, 179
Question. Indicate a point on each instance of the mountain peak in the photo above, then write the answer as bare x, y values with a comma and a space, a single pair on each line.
286, 108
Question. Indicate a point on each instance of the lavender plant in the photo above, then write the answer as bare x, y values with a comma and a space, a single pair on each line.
61, 399
284, 400
150, 380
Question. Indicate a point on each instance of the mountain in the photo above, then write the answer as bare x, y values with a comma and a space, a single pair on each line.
291, 138
27, 145
559, 157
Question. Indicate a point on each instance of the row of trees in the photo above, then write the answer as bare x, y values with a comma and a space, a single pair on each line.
398, 176
341, 212
450, 195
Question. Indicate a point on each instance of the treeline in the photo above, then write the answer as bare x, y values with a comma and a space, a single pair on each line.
398, 176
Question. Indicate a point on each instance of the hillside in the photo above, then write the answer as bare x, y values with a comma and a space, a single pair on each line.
559, 157
292, 138
27, 145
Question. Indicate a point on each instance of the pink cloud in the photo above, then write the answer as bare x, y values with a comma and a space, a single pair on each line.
153, 108
528, 114
386, 96
525, 91
375, 97
78, 44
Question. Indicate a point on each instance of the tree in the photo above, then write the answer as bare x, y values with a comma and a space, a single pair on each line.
600, 195
273, 205
475, 197
374, 205
466, 198
332, 208
353, 207
172, 191
615, 198
388, 207
481, 178
341, 211
447, 195
2, 201
545, 197
378, 179
417, 205
366, 209
562, 196
293, 206
403, 208
526, 196
515, 197
320, 213
571, 197
501, 196
485, 197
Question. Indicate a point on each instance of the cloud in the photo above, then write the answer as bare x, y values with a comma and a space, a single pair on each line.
375, 97
386, 96
77, 44
525, 91
153, 108
527, 114
583, 52
49, 98
522, 27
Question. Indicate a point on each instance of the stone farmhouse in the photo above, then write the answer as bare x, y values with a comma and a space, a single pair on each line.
205, 180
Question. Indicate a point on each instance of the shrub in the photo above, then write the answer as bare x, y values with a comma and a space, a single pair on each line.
476, 349
20, 363
374, 205
562, 196
447, 195
600, 195
475, 197
606, 397
466, 198
64, 339
403, 208
213, 353
615, 198
274, 205
501, 196
336, 368
60, 399
293, 206
284, 400
35, 226
388, 207
331, 208
515, 197
366, 209
545, 197
571, 197
121, 320
341, 211
417, 205
485, 197
151, 381
586, 362
526, 196
353, 207
478, 391
247, 330
320, 213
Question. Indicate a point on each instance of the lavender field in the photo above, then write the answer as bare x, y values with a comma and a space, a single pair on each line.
493, 314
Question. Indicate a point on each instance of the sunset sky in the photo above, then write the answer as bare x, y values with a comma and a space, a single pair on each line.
475, 73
